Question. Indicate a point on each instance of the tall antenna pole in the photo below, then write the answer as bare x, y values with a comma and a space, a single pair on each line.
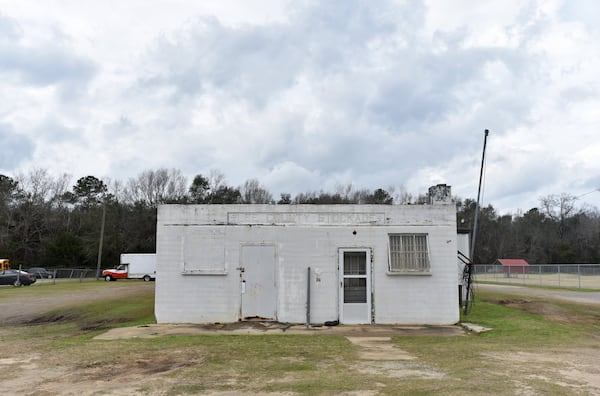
475, 220
468, 274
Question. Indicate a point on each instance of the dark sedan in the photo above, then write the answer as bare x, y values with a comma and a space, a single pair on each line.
40, 273
16, 278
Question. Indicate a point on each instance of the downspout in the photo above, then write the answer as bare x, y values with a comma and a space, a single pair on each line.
308, 299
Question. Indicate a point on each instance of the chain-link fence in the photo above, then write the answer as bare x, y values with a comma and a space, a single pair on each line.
65, 273
581, 276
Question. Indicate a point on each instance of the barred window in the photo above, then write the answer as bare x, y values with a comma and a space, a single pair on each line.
409, 253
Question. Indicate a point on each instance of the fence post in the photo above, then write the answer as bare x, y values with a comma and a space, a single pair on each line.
558, 266
578, 276
540, 271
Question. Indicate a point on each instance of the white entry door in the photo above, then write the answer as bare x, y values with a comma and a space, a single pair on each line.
259, 294
355, 286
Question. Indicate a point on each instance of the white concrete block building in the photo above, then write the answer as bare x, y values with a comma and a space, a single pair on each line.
386, 264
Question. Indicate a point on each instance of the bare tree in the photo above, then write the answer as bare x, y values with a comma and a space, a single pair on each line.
37, 185
253, 193
345, 191
117, 189
402, 197
216, 180
60, 187
156, 187
559, 208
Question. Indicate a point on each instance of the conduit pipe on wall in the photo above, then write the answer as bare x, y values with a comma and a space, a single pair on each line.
308, 299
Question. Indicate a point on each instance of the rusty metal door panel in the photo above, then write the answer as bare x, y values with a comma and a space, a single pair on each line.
259, 292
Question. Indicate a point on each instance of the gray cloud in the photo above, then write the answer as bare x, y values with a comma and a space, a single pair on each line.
45, 66
43, 63
255, 63
52, 131
9, 29
332, 92
584, 11
406, 97
16, 148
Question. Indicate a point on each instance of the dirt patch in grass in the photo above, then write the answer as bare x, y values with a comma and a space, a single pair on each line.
396, 369
52, 318
142, 366
380, 356
70, 317
553, 311
545, 309
130, 375
576, 369
379, 349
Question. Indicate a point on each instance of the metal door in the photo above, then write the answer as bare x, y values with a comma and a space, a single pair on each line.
259, 293
355, 286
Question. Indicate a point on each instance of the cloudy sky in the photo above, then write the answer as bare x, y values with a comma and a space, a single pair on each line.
307, 95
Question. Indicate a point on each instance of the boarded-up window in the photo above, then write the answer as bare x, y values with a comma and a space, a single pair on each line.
203, 251
409, 253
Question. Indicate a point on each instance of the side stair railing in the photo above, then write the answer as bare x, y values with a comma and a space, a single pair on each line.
466, 297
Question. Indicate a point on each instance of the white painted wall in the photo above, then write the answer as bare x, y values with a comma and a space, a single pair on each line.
198, 256
463, 244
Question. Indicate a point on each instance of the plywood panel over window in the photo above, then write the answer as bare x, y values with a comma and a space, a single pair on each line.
203, 252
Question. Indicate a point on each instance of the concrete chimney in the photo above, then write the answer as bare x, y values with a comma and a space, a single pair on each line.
440, 194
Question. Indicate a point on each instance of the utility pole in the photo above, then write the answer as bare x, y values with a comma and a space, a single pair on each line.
471, 262
475, 220
101, 240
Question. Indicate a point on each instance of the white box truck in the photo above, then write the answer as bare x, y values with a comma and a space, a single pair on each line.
133, 266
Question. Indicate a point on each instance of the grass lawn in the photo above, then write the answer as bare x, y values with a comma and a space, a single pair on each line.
536, 347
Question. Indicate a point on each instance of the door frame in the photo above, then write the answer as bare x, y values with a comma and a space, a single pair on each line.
242, 269
368, 257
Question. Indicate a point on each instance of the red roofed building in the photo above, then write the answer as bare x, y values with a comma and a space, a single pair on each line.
514, 266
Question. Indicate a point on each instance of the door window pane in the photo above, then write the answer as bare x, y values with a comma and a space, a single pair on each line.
355, 290
355, 263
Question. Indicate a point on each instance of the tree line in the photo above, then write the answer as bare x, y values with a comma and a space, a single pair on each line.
555, 232
50, 221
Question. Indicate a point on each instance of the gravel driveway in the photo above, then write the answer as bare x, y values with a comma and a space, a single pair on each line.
574, 296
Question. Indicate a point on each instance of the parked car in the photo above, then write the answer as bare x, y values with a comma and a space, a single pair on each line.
40, 273
16, 278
